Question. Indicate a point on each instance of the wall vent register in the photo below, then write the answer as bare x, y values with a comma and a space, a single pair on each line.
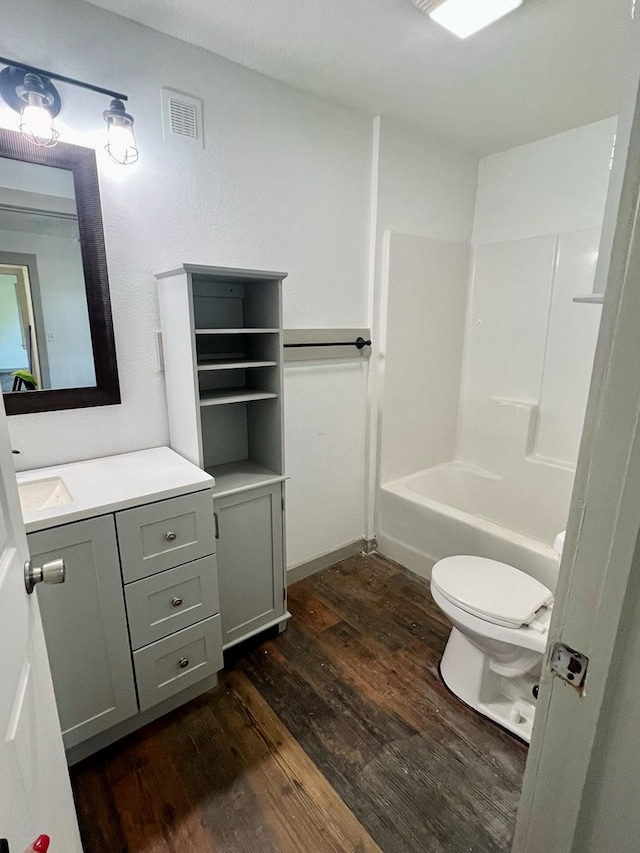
182, 117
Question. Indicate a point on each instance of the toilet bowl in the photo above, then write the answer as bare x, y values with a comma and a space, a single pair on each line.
493, 657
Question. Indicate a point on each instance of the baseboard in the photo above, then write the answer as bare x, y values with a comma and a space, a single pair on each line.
304, 570
410, 558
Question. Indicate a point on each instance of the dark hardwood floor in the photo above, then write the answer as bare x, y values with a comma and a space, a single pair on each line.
337, 735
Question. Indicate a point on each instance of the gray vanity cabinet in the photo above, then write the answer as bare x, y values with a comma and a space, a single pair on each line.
249, 528
86, 628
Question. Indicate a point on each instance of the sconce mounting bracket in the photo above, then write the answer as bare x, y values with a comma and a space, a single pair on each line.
12, 78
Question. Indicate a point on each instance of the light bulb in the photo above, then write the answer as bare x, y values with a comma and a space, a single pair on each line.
465, 17
121, 142
36, 122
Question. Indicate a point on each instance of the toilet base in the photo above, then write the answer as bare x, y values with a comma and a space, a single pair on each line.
508, 701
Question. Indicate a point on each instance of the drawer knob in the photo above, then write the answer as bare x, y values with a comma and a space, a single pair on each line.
170, 536
183, 663
176, 601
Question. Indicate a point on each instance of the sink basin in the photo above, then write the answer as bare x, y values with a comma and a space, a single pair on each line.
43, 494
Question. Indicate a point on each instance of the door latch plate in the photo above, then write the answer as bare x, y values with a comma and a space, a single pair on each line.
569, 664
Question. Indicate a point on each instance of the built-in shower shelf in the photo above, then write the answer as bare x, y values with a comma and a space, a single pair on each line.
590, 298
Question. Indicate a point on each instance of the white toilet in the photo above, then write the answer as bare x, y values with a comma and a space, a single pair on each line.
493, 657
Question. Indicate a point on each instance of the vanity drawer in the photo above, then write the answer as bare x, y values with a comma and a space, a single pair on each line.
168, 666
165, 534
171, 600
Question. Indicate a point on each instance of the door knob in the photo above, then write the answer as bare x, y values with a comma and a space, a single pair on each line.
52, 572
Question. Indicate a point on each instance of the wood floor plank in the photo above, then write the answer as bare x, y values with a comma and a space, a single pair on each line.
459, 753
323, 814
310, 609
365, 592
97, 814
145, 774
338, 735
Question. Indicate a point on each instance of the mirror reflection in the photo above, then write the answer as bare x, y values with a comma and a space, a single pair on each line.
45, 342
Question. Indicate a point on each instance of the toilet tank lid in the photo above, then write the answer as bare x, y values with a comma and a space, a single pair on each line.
491, 590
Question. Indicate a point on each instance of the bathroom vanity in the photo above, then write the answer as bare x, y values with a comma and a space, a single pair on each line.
135, 630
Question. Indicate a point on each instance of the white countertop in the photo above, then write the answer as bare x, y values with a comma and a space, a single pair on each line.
99, 486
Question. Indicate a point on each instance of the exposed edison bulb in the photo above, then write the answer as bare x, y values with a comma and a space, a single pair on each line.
121, 142
36, 122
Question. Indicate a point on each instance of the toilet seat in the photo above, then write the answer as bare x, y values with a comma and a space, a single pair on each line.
491, 591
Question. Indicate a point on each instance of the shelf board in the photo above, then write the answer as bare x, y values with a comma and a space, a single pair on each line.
237, 331
235, 364
244, 474
220, 396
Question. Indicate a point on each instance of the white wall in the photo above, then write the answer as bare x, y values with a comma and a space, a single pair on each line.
424, 187
283, 183
536, 233
555, 185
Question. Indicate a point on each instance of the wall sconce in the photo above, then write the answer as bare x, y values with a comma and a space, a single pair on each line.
121, 143
30, 92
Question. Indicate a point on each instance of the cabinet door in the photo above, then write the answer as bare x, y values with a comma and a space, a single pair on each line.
85, 628
250, 561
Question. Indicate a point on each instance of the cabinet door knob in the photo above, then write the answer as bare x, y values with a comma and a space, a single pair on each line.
183, 663
170, 536
176, 601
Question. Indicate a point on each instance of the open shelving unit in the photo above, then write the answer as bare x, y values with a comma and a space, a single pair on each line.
222, 343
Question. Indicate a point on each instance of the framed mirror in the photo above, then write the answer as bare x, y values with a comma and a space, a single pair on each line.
57, 348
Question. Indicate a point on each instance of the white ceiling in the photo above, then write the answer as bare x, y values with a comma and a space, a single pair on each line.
549, 66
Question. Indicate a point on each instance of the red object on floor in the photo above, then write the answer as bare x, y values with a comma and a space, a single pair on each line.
41, 844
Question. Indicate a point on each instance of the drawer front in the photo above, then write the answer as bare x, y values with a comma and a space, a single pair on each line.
165, 534
168, 666
171, 600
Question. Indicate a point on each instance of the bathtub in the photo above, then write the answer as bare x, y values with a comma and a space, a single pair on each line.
457, 508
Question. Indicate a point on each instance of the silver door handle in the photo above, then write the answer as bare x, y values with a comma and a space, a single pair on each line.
52, 572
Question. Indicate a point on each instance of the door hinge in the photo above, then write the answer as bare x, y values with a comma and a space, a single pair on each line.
569, 665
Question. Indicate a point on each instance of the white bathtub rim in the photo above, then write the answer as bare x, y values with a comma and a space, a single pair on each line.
400, 488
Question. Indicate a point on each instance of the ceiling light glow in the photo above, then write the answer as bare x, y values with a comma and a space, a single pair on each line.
465, 17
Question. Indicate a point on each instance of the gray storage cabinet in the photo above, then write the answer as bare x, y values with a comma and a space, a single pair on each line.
85, 626
222, 341
250, 561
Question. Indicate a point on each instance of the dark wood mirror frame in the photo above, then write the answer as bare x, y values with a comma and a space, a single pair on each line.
82, 163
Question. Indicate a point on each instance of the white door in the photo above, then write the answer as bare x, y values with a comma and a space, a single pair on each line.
35, 793
582, 782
